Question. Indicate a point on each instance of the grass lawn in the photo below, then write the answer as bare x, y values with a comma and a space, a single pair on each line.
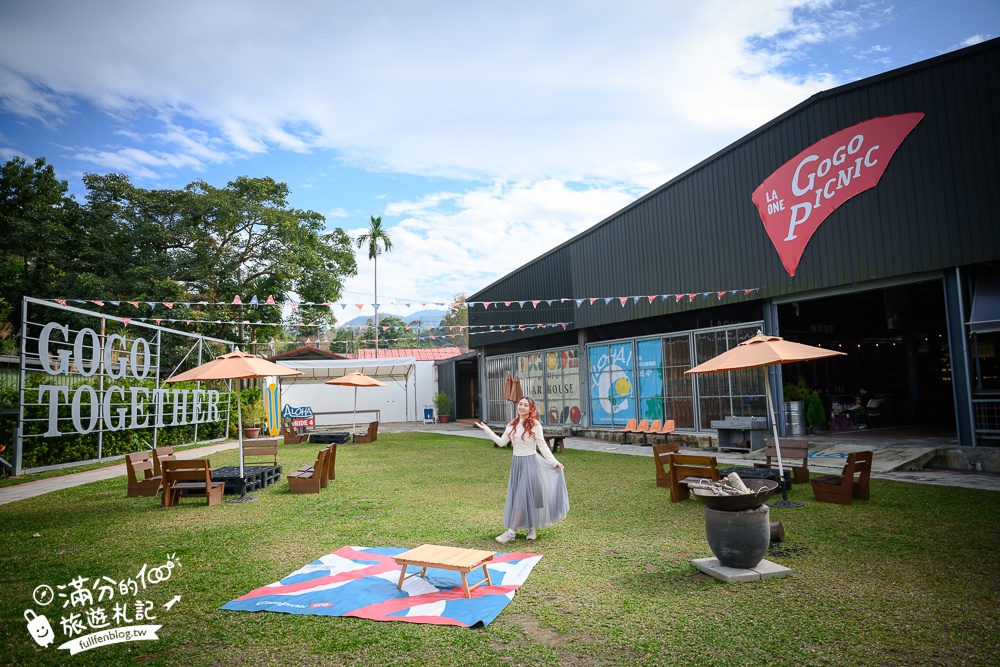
908, 578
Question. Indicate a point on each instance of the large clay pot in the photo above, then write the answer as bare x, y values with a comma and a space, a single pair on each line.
738, 539
251, 433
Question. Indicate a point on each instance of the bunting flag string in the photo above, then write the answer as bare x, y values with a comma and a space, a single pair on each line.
253, 301
487, 328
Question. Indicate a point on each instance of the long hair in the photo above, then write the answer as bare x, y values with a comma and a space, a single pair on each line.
529, 423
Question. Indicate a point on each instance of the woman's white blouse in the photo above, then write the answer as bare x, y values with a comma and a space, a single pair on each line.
524, 446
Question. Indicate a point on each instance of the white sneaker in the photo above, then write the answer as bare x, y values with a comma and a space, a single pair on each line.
506, 537
531, 534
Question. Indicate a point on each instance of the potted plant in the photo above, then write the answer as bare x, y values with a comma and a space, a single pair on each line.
795, 396
443, 404
253, 416
815, 412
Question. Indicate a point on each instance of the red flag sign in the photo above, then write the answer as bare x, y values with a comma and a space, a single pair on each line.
795, 200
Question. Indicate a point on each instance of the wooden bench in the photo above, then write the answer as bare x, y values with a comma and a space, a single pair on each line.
190, 478
843, 488
661, 456
161, 454
289, 434
791, 448
689, 468
310, 481
329, 471
556, 443
456, 559
261, 447
370, 436
149, 484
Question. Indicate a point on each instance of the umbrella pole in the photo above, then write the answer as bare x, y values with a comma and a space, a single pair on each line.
239, 439
354, 425
784, 502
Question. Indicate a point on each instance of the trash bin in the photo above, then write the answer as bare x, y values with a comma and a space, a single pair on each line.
428, 414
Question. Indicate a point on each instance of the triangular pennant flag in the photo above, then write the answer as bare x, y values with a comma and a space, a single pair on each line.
635, 299
157, 320
236, 301
691, 297
623, 299
678, 297
308, 341
98, 302
486, 304
535, 303
116, 303
134, 303
362, 328
548, 302
360, 305
169, 304
579, 302
377, 305
747, 291
608, 300
507, 303
126, 320
61, 302
270, 301
521, 303
592, 301
253, 300
721, 294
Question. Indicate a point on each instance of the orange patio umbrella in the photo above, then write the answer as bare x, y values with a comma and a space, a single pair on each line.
234, 366
356, 379
761, 351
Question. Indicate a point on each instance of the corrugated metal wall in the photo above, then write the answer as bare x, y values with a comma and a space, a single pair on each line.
933, 208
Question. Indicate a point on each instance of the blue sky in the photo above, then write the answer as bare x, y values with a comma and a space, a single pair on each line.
483, 133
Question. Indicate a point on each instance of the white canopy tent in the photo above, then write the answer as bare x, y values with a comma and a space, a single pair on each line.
317, 371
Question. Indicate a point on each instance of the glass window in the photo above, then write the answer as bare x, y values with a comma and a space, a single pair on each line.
562, 387
739, 393
649, 363
612, 392
679, 387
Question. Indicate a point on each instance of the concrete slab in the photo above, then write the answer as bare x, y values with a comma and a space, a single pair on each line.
733, 575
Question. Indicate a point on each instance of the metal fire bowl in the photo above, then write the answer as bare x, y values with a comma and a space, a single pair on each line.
738, 503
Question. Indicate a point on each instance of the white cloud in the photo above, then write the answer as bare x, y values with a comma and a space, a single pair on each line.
475, 237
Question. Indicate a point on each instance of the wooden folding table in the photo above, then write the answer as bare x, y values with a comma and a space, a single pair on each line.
446, 558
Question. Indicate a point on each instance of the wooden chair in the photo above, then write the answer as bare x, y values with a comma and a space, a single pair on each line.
661, 456
791, 448
161, 454
370, 436
149, 484
843, 488
311, 481
266, 448
651, 429
289, 434
192, 478
686, 468
329, 471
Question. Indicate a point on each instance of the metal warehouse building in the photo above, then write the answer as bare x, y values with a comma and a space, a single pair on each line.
865, 219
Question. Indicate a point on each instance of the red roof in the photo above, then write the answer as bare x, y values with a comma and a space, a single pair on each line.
418, 353
307, 352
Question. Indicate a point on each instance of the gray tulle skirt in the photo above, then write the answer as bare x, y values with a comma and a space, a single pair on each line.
536, 494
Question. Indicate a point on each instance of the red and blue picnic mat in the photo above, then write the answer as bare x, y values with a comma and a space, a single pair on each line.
361, 582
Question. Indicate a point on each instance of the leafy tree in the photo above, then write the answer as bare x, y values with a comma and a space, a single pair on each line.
458, 315
377, 240
38, 223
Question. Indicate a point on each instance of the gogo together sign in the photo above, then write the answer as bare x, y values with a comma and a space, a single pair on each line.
798, 197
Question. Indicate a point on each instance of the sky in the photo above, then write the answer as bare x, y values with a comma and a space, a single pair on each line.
483, 133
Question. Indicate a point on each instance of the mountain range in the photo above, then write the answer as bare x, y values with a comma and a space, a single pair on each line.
427, 318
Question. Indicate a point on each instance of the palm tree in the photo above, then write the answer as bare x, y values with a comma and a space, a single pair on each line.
375, 235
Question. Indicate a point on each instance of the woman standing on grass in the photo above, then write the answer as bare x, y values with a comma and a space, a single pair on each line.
536, 489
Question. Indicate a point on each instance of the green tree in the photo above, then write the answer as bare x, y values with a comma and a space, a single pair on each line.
377, 241
458, 316
38, 225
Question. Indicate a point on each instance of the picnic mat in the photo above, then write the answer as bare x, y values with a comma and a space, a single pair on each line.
361, 582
